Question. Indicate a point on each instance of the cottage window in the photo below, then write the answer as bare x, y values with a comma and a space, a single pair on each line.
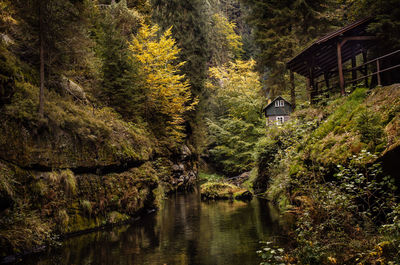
280, 120
279, 103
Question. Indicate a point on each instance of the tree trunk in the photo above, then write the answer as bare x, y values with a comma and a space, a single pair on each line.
41, 40
292, 90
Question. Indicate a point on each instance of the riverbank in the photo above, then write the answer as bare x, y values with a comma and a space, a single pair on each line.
185, 230
76, 167
332, 166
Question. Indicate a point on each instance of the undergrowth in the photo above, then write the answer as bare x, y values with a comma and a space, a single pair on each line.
324, 167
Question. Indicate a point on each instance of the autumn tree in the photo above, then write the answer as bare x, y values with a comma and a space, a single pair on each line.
167, 91
224, 43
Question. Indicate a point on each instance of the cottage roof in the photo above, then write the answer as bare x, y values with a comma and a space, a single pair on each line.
272, 102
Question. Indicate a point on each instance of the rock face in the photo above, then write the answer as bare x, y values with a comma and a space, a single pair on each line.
73, 88
62, 202
180, 172
72, 170
239, 180
54, 147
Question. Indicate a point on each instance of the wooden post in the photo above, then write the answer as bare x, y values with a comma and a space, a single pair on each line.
378, 74
326, 76
353, 65
312, 85
292, 90
364, 54
340, 67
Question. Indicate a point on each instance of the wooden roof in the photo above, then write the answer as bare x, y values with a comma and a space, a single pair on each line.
322, 54
278, 97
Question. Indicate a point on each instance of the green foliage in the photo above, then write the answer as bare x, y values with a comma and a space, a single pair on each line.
386, 24
120, 82
64, 30
370, 127
210, 177
339, 207
237, 124
282, 29
365, 185
189, 30
271, 254
343, 114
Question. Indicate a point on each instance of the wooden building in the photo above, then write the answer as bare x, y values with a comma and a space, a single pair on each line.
278, 111
322, 63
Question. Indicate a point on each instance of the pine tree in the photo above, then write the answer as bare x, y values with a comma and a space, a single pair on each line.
53, 36
283, 28
188, 21
120, 85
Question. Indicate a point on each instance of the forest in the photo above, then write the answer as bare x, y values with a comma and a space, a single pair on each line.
110, 108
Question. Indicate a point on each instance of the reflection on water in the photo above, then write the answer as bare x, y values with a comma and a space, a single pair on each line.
184, 231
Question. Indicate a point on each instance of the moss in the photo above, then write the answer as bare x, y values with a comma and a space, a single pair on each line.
116, 217
86, 207
221, 191
7, 181
337, 122
69, 135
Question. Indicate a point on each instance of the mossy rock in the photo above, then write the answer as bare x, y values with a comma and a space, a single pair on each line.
223, 191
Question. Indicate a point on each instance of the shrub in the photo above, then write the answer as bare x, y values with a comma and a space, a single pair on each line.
86, 206
69, 180
370, 127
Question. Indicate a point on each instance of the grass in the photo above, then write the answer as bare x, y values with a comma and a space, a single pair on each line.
346, 109
69, 180
210, 177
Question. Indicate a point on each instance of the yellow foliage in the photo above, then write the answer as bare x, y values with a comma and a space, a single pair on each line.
238, 88
225, 43
332, 260
168, 91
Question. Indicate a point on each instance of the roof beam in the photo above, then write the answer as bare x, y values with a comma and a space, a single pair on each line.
344, 40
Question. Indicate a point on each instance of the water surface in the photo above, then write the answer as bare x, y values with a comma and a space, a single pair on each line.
184, 231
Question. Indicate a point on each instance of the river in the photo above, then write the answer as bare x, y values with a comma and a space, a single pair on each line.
184, 231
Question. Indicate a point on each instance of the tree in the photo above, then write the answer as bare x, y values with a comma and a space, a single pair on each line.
188, 21
224, 44
168, 95
236, 122
120, 81
283, 28
53, 35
